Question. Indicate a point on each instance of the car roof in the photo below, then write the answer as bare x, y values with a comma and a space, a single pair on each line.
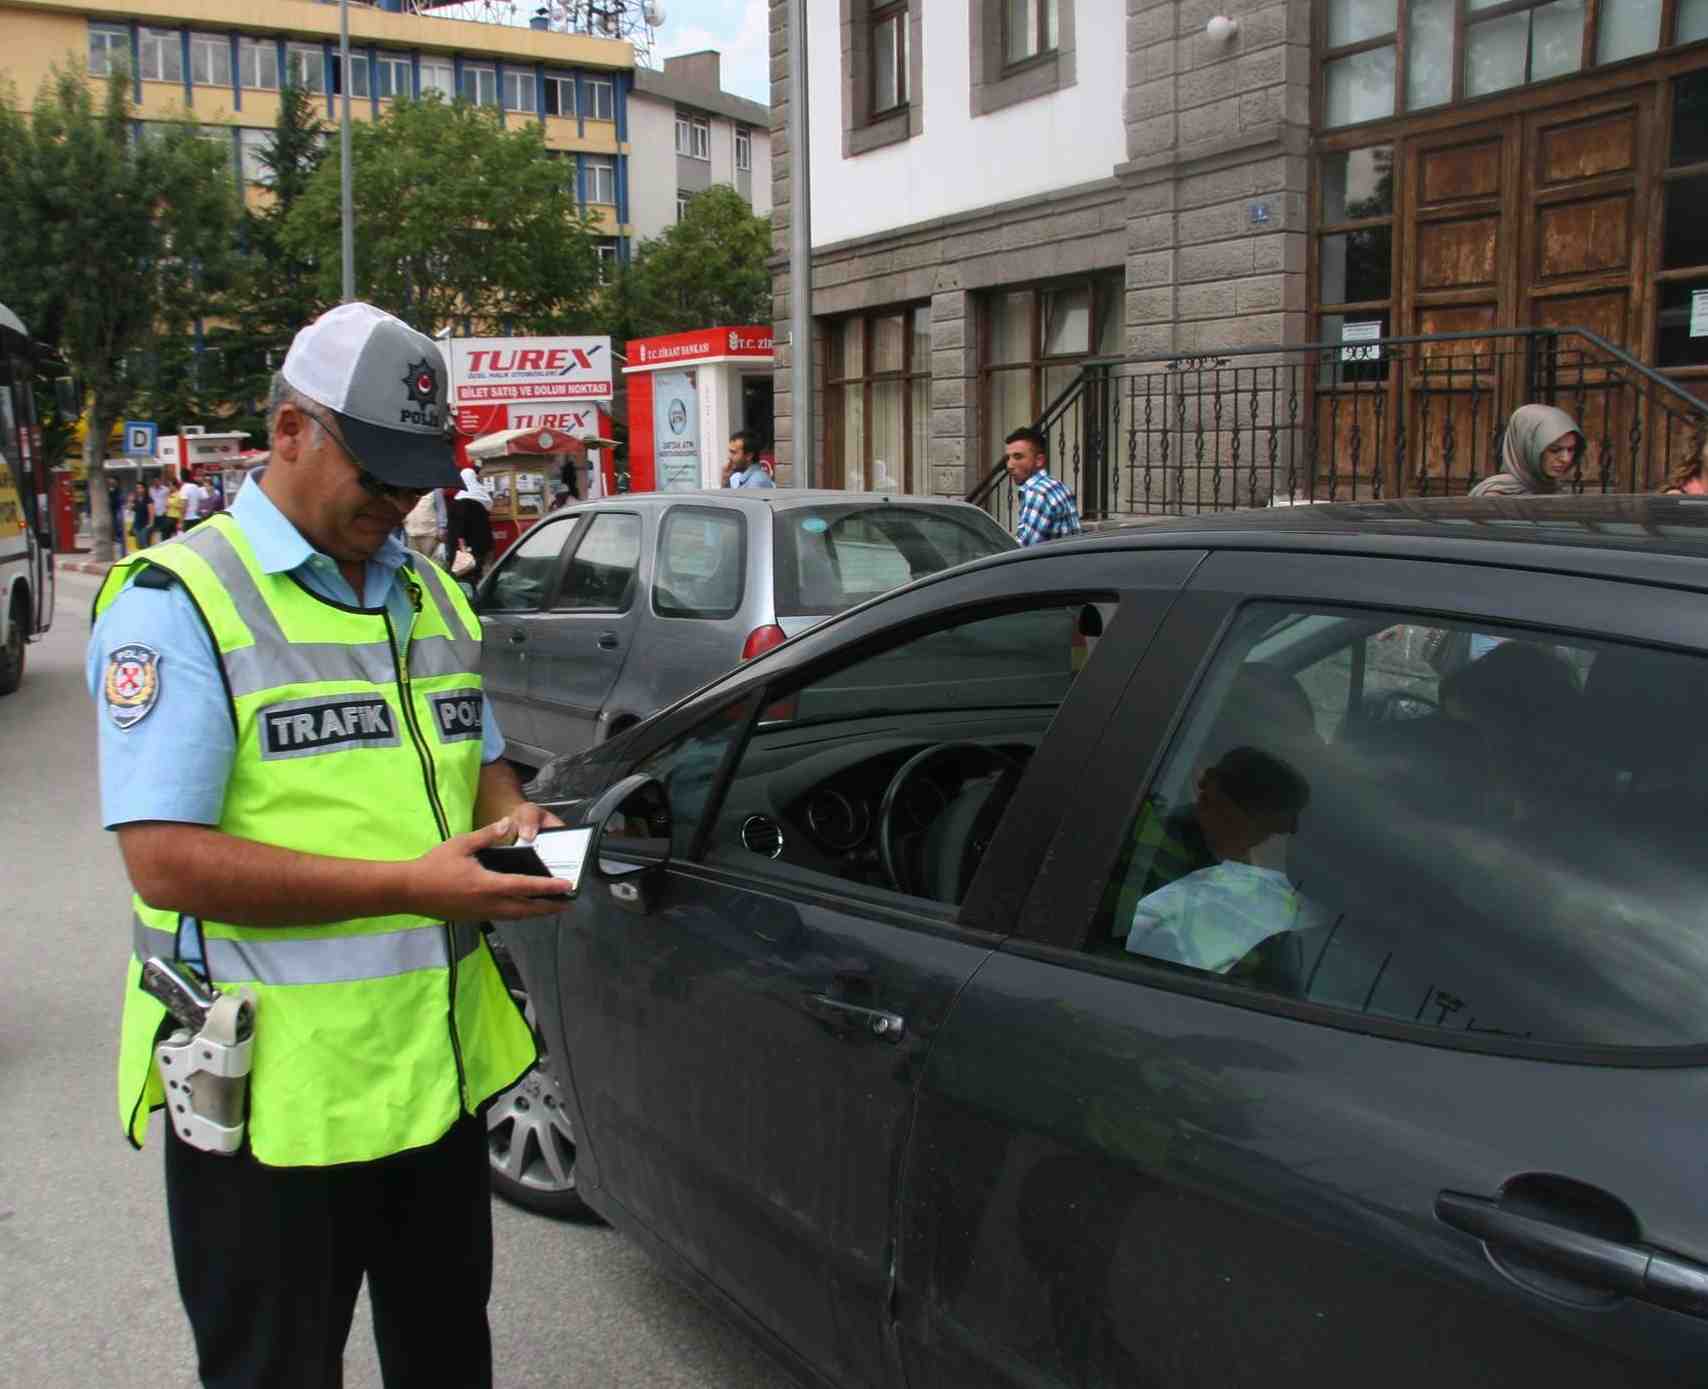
1657, 539
768, 498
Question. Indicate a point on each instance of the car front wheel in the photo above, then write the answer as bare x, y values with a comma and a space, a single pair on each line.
530, 1142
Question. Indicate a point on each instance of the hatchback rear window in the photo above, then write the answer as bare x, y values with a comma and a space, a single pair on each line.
828, 558
702, 559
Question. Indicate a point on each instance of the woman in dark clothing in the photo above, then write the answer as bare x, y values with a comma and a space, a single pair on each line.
141, 516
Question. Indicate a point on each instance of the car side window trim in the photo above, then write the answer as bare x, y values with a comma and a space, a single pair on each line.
570, 525
560, 593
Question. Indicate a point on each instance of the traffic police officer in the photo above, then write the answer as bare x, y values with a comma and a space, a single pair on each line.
295, 753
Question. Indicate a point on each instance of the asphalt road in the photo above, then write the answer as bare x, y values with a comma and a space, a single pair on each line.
87, 1295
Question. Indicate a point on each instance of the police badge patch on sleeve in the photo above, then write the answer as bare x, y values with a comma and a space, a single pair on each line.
133, 683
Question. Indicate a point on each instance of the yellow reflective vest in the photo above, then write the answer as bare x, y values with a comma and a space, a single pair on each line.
372, 1036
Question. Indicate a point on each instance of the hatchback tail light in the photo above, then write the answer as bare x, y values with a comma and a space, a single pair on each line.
762, 639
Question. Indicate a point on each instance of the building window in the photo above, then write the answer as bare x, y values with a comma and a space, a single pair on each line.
601, 181
438, 76
744, 149
252, 144
519, 91
1029, 28
210, 60
162, 56
601, 100
305, 67
684, 196
1034, 344
607, 253
878, 395
889, 42
358, 74
693, 136
391, 77
1684, 233
1453, 52
560, 96
1355, 249
258, 64
109, 49
480, 85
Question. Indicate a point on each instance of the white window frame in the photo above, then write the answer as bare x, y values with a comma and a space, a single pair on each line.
702, 138
564, 86
684, 133
396, 72
305, 67
518, 91
250, 142
258, 65
480, 84
744, 149
601, 99
439, 75
160, 56
683, 198
210, 54
104, 41
359, 68
606, 251
607, 167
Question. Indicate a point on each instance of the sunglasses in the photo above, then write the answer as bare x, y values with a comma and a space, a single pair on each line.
370, 484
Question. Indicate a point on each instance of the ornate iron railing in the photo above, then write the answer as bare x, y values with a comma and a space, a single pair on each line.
1391, 417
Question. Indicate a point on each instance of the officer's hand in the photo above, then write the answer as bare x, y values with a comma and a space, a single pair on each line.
528, 819
449, 883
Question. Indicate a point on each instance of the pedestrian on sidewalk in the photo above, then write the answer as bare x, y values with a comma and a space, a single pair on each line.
471, 521
1538, 451
195, 499
1047, 508
315, 840
141, 516
424, 527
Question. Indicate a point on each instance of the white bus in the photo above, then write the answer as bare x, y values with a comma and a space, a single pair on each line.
26, 541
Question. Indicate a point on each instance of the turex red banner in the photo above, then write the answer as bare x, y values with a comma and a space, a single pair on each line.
523, 369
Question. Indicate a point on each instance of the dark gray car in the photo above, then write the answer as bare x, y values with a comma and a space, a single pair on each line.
602, 613
1307, 985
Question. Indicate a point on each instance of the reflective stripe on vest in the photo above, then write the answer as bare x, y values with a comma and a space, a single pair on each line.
323, 960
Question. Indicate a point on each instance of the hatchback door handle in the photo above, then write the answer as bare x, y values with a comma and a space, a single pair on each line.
1632, 1270
889, 1026
608, 641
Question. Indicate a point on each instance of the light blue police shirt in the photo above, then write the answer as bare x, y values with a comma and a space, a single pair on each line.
173, 763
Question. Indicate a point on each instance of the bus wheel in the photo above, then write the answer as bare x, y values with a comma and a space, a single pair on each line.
12, 654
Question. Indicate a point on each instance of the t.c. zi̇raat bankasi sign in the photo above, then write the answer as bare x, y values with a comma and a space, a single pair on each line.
489, 370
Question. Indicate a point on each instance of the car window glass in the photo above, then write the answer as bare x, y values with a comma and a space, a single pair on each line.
831, 557
1477, 828
601, 572
701, 558
524, 576
688, 770
893, 772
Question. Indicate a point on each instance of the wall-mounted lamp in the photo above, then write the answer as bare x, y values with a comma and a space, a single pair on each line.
1221, 28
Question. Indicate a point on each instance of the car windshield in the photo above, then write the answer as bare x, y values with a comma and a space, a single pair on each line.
831, 557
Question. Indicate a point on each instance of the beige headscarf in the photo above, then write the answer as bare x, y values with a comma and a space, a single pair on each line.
1531, 429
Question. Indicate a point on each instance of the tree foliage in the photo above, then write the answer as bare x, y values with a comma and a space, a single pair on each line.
110, 238
708, 269
457, 218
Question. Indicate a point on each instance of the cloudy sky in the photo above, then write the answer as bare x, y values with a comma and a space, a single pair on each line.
738, 29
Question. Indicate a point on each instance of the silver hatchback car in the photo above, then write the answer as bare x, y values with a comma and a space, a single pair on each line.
604, 612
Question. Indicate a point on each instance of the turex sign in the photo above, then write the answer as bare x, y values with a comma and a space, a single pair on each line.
487, 370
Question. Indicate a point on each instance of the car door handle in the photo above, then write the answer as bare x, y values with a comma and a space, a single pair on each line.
877, 1021
607, 641
516, 636
1633, 1270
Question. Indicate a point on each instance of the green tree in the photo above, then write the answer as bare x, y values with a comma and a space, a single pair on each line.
279, 288
457, 218
706, 270
126, 238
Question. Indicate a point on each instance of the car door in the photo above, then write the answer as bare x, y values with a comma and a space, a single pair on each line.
744, 1057
510, 603
578, 647
1356, 1032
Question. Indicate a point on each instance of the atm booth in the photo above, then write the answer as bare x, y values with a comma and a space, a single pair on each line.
688, 392
520, 468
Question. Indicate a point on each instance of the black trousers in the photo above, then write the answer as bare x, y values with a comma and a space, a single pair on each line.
270, 1260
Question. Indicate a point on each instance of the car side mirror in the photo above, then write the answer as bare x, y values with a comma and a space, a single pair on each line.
631, 826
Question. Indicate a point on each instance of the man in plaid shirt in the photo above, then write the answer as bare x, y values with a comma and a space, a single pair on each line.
1047, 508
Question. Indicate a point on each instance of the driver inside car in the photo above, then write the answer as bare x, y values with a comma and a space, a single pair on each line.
1210, 919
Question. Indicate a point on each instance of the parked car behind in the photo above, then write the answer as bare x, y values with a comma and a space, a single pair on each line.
1309, 986
602, 613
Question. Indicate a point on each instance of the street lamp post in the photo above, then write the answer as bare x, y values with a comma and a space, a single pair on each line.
344, 179
800, 251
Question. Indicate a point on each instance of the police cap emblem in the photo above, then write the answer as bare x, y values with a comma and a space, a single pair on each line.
133, 683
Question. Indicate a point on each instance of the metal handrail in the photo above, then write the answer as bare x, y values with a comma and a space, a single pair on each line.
1052, 412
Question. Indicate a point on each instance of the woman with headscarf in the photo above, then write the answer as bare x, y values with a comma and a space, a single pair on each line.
1540, 447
